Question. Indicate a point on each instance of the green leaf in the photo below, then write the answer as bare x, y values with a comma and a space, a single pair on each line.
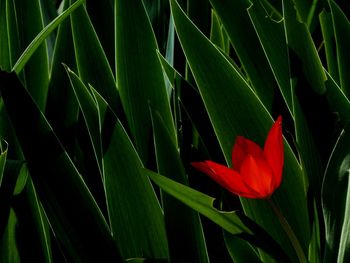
337, 100
21, 180
9, 250
193, 106
135, 215
89, 110
93, 66
101, 14
329, 45
43, 230
341, 26
235, 19
63, 121
3, 156
309, 153
5, 63
30, 22
303, 56
184, 228
216, 34
200, 202
270, 30
139, 73
9, 181
315, 254
73, 213
335, 201
235, 110
303, 8
44, 33
240, 250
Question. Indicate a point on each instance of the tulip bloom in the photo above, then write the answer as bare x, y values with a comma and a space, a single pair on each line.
256, 172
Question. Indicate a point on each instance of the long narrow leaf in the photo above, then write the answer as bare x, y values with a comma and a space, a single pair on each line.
135, 215
185, 233
341, 27
38, 40
93, 66
139, 73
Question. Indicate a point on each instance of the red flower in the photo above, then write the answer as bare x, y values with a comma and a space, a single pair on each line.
256, 172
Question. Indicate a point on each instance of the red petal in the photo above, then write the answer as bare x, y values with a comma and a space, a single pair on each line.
273, 150
242, 148
257, 174
226, 177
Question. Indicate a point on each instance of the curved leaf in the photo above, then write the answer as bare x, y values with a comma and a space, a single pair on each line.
233, 222
30, 22
39, 39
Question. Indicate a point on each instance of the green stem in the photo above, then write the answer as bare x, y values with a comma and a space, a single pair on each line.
289, 231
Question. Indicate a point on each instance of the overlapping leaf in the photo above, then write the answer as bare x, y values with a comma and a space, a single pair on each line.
76, 219
135, 216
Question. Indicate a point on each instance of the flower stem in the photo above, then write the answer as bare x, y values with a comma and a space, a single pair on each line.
289, 231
